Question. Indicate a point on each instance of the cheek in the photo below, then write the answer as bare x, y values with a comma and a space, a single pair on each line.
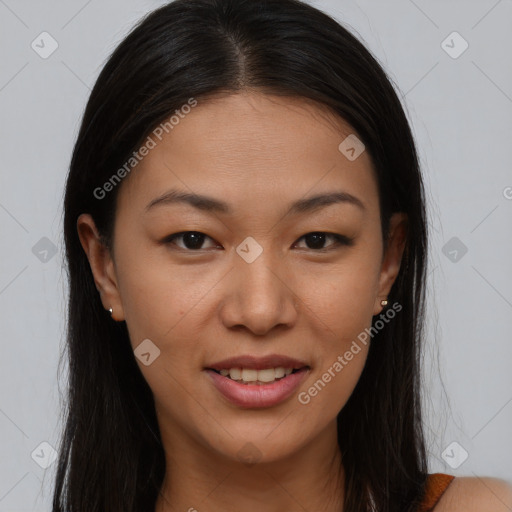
342, 297
327, 390
165, 304
161, 307
160, 299
342, 302
340, 356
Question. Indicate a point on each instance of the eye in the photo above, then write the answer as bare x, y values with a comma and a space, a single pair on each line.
192, 240
316, 240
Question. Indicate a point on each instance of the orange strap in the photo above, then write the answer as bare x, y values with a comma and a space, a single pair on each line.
434, 489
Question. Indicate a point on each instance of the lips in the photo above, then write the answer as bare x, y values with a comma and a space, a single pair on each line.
257, 363
248, 393
257, 396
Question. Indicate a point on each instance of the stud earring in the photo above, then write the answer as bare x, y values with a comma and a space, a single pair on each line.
110, 311
384, 302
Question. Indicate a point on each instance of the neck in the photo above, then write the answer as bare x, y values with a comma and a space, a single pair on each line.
312, 478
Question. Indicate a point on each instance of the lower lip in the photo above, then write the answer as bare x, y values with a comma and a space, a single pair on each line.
254, 395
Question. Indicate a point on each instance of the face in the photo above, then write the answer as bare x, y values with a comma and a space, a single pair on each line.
257, 270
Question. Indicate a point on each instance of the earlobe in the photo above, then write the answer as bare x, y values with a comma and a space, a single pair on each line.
101, 264
392, 257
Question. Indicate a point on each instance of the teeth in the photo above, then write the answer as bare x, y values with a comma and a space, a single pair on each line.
280, 372
235, 373
263, 375
247, 375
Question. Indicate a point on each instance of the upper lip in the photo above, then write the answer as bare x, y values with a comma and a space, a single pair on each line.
258, 363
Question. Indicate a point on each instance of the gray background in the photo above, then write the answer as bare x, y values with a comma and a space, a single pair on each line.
460, 109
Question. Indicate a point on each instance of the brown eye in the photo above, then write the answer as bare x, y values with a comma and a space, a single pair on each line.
192, 240
317, 239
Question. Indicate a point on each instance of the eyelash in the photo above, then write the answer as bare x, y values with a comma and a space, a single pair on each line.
340, 240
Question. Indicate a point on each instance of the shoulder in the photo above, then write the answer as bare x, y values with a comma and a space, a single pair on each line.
476, 494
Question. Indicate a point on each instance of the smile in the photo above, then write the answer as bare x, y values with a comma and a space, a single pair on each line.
258, 377
255, 392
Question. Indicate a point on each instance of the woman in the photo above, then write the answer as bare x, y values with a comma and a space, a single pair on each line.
244, 198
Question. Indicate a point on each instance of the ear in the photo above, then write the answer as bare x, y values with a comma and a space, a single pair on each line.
102, 265
391, 258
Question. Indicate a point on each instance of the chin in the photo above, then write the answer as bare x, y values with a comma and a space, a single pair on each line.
257, 444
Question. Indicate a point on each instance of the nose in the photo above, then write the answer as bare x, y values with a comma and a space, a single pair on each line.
259, 297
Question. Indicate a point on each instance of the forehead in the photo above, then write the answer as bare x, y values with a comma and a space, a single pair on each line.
251, 146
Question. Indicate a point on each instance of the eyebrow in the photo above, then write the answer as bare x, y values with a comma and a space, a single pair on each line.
211, 204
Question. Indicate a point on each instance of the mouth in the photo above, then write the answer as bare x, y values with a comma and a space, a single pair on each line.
247, 369
249, 376
251, 382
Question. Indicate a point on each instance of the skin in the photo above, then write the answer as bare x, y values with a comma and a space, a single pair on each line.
476, 494
258, 153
